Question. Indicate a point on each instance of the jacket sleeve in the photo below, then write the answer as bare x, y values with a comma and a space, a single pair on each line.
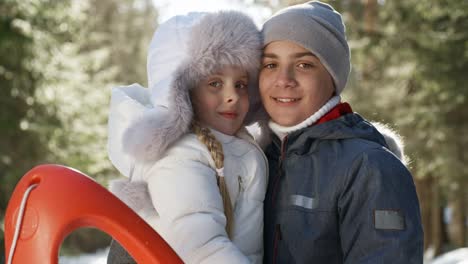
379, 212
186, 196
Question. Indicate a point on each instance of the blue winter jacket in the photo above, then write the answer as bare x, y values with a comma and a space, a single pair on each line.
336, 194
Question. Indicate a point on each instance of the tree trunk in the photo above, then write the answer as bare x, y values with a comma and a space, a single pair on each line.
437, 230
370, 16
457, 227
423, 188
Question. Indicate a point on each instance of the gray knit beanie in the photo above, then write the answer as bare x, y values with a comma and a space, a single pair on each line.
316, 27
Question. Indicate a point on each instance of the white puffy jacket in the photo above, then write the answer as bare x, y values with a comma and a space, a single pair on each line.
182, 185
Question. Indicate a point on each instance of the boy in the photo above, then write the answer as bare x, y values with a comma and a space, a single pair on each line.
336, 194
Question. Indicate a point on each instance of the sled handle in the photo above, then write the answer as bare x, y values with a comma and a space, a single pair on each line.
64, 200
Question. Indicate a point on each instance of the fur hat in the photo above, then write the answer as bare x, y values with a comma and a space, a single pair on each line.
317, 27
185, 50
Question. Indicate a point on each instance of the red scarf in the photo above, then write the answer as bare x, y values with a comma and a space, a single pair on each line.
337, 111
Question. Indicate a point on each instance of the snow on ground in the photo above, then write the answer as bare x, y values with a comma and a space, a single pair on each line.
457, 256
100, 257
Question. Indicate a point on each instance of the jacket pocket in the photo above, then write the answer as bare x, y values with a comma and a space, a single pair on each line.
310, 233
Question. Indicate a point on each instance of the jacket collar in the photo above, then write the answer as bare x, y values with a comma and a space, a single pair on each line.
282, 131
339, 110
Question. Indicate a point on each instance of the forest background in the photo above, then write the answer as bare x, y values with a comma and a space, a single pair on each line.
59, 60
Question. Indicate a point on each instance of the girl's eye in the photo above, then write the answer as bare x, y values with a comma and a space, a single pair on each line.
305, 65
241, 85
215, 84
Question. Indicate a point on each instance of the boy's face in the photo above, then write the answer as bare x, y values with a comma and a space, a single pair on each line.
293, 83
221, 100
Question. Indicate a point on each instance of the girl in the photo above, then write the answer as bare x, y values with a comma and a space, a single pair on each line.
184, 140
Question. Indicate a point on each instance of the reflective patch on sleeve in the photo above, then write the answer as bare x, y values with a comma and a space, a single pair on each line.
389, 220
303, 201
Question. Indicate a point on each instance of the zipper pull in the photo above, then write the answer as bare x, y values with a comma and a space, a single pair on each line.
283, 146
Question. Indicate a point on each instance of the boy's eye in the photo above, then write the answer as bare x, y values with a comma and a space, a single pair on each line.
215, 84
269, 66
305, 65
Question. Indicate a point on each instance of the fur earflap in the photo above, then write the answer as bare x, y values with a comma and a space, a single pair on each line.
149, 136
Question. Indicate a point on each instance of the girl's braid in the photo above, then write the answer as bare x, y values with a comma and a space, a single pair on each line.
216, 150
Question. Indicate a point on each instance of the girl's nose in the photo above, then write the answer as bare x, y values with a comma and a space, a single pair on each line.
231, 95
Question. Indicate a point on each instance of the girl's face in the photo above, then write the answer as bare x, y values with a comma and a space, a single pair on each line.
221, 100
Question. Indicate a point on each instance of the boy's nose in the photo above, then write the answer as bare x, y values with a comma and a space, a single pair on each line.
286, 78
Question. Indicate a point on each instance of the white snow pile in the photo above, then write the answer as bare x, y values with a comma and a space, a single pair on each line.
100, 257
457, 256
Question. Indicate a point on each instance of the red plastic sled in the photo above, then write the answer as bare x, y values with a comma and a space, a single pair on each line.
65, 200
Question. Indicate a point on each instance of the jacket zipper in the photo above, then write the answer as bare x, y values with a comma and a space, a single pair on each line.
280, 163
277, 235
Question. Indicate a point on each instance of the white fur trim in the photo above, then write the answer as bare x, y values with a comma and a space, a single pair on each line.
149, 136
128, 104
167, 50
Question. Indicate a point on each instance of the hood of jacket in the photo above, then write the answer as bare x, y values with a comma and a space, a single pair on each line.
143, 122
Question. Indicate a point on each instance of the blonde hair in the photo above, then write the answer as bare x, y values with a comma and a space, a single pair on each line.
216, 150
